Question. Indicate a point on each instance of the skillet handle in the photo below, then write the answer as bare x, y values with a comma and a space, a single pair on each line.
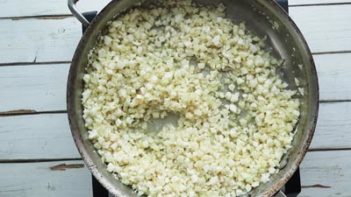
72, 7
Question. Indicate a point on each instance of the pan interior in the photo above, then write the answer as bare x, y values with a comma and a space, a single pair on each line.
262, 18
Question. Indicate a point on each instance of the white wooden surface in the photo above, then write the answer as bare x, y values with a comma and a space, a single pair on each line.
39, 180
326, 174
47, 83
47, 136
28, 8
334, 76
316, 2
325, 28
38, 40
41, 136
334, 127
323, 174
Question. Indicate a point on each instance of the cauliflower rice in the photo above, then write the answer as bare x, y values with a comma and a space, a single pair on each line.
228, 117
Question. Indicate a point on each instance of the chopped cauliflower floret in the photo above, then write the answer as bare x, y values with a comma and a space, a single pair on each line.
181, 101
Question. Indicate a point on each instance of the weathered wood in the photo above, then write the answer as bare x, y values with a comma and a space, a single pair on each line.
333, 126
24, 8
323, 174
23, 86
55, 39
326, 174
47, 136
38, 179
38, 40
42, 136
334, 73
324, 26
313, 2
36, 87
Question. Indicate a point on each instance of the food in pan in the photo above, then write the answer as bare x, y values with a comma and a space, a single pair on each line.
181, 101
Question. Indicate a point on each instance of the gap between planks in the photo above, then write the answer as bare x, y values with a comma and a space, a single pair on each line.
22, 112
80, 159
320, 4
293, 3
39, 160
33, 63
69, 62
49, 16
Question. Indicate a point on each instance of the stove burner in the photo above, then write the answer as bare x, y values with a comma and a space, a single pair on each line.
291, 189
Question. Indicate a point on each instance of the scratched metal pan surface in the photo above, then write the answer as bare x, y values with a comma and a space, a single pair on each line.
262, 17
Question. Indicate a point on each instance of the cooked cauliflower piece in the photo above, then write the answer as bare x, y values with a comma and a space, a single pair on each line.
233, 116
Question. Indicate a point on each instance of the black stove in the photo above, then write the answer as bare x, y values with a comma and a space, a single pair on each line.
291, 189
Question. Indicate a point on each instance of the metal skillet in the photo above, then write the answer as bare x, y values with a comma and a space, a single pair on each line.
262, 17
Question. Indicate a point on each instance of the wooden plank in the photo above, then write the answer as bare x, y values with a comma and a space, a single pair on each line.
47, 136
38, 87
23, 86
326, 174
314, 2
38, 40
37, 179
21, 8
42, 136
323, 174
334, 73
333, 126
55, 39
324, 27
